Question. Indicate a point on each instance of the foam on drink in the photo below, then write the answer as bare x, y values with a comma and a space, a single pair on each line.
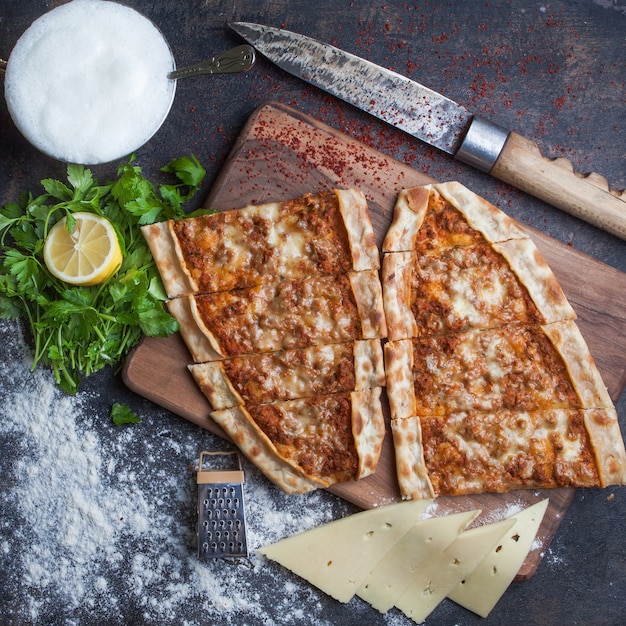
87, 82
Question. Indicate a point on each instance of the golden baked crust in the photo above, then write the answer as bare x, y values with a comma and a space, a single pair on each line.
291, 374
491, 385
314, 235
608, 446
346, 446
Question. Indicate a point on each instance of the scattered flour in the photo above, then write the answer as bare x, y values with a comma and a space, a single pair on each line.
84, 529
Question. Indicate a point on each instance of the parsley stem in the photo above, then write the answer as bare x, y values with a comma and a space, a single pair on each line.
79, 330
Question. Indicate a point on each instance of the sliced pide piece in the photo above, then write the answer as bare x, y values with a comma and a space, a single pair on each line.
517, 367
316, 234
281, 316
491, 385
481, 285
435, 217
322, 440
472, 452
338, 556
291, 374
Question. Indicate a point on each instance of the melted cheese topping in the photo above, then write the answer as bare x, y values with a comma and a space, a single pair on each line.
258, 244
313, 433
488, 370
282, 316
467, 287
443, 227
474, 452
293, 373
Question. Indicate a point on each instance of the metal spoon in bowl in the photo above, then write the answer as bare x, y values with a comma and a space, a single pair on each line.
239, 59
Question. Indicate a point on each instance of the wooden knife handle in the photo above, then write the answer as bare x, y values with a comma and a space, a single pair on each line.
588, 197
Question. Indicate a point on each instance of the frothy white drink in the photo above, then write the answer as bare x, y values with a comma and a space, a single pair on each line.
87, 82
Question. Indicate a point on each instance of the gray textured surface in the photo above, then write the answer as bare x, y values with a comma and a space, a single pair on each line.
553, 71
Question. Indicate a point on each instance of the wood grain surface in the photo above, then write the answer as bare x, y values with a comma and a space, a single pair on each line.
281, 154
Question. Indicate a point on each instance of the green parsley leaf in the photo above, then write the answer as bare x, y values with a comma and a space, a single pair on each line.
122, 414
79, 330
57, 189
188, 170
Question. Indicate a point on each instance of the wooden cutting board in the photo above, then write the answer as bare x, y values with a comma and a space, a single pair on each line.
281, 154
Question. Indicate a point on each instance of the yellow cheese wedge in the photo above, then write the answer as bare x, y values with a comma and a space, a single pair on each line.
338, 556
434, 580
482, 589
422, 543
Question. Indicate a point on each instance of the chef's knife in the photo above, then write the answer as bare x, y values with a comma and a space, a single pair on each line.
442, 123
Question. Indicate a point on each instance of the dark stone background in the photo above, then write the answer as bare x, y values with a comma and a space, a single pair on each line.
555, 71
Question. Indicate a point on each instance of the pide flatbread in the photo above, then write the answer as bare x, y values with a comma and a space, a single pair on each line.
310, 442
315, 235
490, 383
293, 334
283, 315
280, 306
291, 374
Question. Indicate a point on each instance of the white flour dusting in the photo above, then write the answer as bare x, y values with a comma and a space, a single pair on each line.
93, 533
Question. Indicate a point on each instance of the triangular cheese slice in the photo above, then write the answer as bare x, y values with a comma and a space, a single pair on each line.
337, 557
392, 575
480, 591
431, 583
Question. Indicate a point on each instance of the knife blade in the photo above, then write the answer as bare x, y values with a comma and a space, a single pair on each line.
442, 123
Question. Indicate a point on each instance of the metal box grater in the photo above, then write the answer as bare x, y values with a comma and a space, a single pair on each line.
221, 512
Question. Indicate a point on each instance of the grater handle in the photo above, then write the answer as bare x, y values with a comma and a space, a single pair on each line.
219, 476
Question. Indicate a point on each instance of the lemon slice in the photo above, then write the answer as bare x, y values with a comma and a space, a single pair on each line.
88, 255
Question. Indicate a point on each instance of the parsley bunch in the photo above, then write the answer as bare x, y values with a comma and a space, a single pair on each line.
79, 330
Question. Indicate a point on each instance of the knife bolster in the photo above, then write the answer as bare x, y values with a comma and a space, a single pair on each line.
482, 144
